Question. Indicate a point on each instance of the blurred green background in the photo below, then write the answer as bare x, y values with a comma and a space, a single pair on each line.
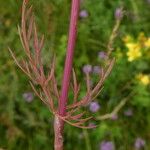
26, 124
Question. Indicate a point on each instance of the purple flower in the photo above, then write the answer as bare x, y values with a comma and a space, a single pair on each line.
102, 55
87, 69
107, 145
83, 14
139, 143
128, 112
96, 70
118, 14
92, 125
28, 97
94, 107
114, 117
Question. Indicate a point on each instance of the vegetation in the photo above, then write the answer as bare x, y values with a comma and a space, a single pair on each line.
25, 123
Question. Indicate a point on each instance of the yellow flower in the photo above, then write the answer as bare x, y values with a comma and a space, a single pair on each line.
133, 51
144, 79
147, 43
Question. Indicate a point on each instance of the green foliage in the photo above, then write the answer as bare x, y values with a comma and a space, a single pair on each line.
142, 97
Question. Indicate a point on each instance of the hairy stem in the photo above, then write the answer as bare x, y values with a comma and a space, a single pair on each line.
58, 123
58, 141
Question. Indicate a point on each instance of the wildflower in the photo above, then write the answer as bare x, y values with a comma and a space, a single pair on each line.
87, 69
128, 112
94, 106
28, 97
83, 14
107, 145
139, 143
96, 70
114, 117
133, 51
147, 43
118, 14
144, 79
91, 124
102, 55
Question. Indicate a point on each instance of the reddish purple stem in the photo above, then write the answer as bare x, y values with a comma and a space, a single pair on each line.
69, 56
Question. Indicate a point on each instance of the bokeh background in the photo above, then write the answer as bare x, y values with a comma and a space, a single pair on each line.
26, 124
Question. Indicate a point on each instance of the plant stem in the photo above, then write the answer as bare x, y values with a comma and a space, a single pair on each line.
58, 123
58, 141
69, 56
